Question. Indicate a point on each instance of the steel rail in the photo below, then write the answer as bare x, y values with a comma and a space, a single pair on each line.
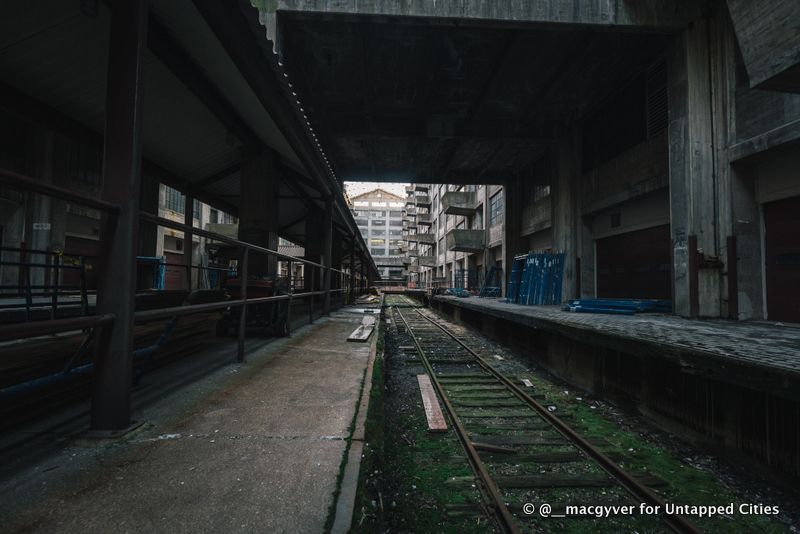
20, 181
675, 522
497, 506
14, 331
169, 223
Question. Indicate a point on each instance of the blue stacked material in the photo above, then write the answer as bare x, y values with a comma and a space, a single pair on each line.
542, 278
458, 292
618, 306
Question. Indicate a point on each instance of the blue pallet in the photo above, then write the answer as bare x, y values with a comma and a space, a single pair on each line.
629, 306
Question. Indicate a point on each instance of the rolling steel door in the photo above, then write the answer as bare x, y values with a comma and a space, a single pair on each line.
782, 258
635, 265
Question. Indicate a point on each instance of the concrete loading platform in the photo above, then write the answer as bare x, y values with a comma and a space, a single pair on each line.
256, 447
733, 385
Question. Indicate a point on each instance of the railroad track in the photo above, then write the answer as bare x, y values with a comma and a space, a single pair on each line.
522, 454
401, 301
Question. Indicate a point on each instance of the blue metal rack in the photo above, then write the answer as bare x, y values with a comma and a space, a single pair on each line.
537, 279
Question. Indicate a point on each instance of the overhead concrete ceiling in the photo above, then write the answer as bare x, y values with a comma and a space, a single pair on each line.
422, 102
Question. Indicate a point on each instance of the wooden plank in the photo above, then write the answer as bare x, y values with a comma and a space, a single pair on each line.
433, 412
362, 333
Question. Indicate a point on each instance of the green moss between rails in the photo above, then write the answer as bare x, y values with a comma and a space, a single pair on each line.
686, 484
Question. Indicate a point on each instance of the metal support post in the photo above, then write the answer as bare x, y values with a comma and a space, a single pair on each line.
188, 238
327, 251
111, 395
311, 287
353, 270
243, 314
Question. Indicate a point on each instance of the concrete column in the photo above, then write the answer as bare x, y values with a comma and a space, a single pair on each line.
565, 206
693, 171
258, 213
122, 162
512, 224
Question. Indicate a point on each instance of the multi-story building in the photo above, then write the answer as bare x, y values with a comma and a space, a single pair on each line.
379, 216
458, 232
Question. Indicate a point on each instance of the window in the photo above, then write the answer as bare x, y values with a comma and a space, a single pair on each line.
378, 214
361, 222
496, 208
214, 216
378, 251
379, 222
395, 214
377, 241
393, 223
395, 232
378, 232
174, 200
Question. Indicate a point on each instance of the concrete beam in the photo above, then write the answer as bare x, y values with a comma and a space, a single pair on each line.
769, 41
655, 14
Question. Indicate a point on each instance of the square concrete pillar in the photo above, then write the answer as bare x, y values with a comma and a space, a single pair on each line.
512, 241
566, 215
698, 173
258, 212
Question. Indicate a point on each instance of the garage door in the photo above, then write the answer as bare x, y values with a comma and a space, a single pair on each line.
635, 265
782, 257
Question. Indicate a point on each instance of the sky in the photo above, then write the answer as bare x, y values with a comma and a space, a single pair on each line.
356, 188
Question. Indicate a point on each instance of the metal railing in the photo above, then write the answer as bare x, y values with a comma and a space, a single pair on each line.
333, 282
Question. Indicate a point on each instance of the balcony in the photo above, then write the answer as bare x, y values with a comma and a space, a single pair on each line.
410, 190
413, 268
389, 261
427, 261
422, 188
411, 238
424, 201
406, 260
465, 240
424, 218
460, 202
413, 252
426, 238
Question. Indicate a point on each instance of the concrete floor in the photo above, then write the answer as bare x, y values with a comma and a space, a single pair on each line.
255, 447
